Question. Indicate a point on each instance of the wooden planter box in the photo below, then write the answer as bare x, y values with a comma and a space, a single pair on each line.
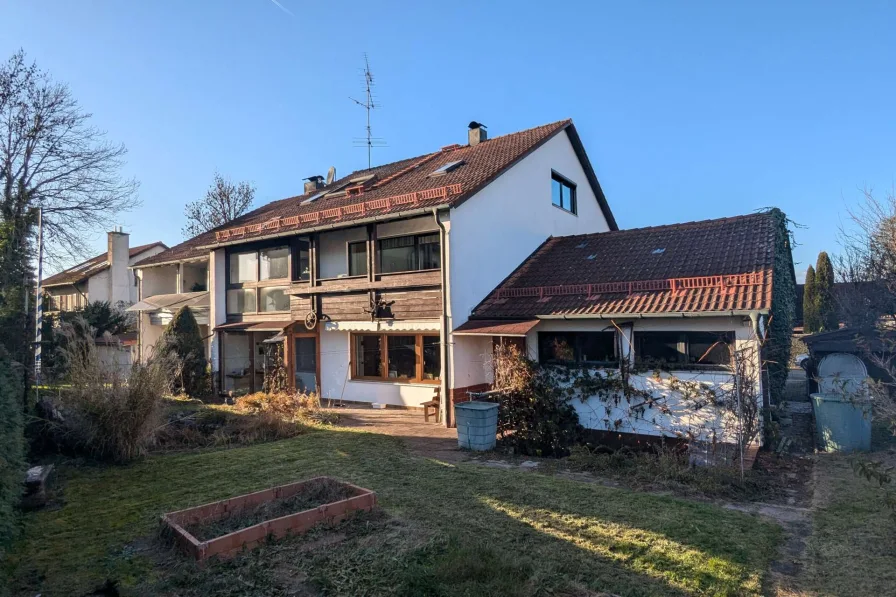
297, 523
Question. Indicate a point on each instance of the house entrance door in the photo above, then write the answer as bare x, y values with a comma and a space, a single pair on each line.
306, 363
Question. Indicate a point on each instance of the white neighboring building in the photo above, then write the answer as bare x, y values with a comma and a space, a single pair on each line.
106, 277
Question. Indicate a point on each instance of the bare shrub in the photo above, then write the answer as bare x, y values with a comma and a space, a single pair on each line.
297, 406
103, 413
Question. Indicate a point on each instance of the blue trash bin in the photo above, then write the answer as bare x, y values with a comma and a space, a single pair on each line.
477, 425
842, 422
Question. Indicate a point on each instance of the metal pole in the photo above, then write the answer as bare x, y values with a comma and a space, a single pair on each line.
39, 303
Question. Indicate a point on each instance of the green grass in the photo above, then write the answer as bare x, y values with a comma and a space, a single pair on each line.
853, 541
442, 530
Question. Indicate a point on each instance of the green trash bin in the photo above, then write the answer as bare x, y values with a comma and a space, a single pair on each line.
477, 425
842, 422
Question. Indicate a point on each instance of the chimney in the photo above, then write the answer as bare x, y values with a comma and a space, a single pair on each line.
477, 133
313, 183
119, 258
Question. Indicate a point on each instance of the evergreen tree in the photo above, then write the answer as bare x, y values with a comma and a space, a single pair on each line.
183, 355
810, 314
825, 304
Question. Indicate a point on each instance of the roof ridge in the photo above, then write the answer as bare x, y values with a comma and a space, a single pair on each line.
692, 223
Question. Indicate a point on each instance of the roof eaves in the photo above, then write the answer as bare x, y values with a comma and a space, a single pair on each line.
579, 148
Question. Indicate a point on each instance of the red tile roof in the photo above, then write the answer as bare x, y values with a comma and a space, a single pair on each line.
397, 187
713, 265
491, 327
92, 266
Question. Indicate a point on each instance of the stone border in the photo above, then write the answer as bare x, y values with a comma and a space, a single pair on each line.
228, 545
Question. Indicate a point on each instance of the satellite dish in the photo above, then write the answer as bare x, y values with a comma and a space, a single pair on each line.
331, 174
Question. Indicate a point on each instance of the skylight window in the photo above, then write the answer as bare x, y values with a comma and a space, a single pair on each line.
449, 167
314, 198
659, 251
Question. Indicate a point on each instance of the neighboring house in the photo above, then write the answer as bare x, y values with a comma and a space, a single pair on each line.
365, 279
105, 277
679, 299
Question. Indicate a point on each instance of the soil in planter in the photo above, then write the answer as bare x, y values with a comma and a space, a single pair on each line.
317, 493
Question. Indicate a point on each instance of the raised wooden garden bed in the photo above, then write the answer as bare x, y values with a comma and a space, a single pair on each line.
226, 527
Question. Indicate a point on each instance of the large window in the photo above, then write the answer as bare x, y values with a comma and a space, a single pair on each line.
273, 298
689, 349
409, 253
563, 192
274, 263
357, 258
396, 357
577, 348
303, 260
241, 300
252, 284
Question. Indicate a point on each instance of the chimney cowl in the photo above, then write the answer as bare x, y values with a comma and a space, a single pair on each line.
312, 183
477, 133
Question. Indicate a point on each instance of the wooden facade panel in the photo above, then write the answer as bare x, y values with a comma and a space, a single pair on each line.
415, 304
346, 307
385, 282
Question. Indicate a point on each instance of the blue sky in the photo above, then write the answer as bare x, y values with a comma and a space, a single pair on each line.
687, 110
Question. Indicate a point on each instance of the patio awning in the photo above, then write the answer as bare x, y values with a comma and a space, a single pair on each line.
496, 327
387, 325
253, 326
172, 302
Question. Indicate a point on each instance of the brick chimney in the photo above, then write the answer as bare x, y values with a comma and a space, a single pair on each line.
477, 133
119, 282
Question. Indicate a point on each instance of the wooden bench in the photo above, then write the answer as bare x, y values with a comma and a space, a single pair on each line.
434, 405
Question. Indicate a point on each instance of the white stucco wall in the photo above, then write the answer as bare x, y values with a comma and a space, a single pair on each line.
158, 280
601, 414
98, 287
501, 225
336, 380
334, 253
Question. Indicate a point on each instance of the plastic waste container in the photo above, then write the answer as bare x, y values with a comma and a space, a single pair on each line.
477, 425
842, 422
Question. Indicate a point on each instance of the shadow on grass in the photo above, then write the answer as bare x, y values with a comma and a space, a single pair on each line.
451, 530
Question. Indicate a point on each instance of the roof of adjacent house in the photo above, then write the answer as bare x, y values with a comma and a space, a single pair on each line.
92, 266
714, 265
396, 188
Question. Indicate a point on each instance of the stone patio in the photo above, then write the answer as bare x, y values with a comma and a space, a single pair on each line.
425, 439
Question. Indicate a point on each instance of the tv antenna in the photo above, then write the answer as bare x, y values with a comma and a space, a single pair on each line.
369, 141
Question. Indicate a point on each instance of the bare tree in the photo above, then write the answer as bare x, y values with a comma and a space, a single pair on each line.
51, 157
224, 201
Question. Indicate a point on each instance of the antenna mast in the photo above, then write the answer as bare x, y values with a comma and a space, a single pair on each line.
370, 141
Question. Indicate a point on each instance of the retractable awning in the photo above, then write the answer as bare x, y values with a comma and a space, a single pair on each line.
382, 326
253, 326
172, 302
496, 327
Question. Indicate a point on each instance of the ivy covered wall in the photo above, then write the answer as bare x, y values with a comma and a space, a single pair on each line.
778, 346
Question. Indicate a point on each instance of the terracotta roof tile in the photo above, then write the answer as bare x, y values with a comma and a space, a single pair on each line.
482, 163
662, 269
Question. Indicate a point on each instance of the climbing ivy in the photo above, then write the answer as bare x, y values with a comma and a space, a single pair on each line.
777, 344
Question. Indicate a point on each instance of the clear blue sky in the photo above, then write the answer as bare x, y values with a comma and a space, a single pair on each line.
688, 110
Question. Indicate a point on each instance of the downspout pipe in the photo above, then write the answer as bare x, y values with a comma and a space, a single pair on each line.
443, 344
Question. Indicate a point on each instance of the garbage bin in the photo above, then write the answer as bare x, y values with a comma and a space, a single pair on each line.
843, 422
477, 425
842, 405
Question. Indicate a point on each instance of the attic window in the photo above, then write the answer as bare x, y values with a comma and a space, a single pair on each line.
659, 251
449, 167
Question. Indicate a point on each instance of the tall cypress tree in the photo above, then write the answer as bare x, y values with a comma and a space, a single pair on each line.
826, 307
810, 315
182, 352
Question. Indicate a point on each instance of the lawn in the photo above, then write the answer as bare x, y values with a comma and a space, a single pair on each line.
852, 548
442, 530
